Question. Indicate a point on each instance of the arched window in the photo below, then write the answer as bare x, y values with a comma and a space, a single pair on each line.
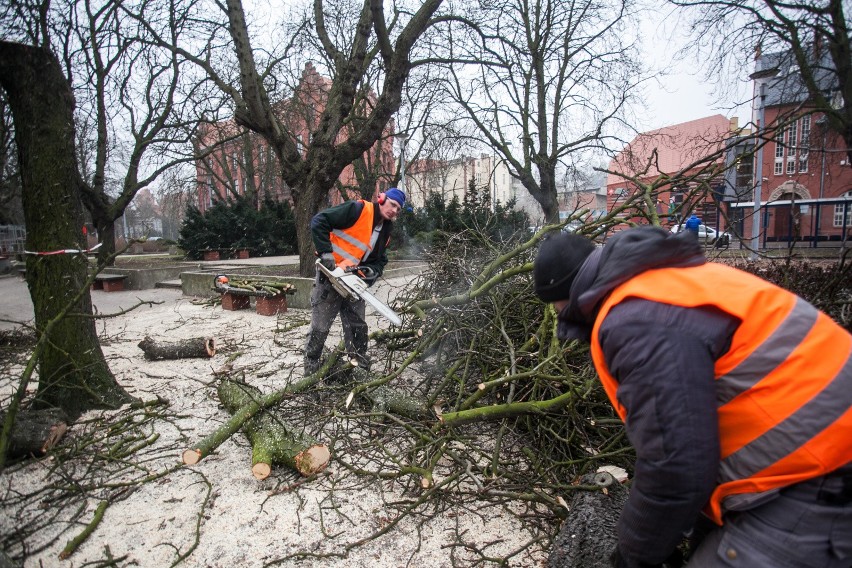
839, 211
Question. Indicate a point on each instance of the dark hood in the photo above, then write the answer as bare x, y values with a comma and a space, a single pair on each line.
625, 255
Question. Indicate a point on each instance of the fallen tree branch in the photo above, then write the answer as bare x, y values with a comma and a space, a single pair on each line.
209, 444
499, 411
90, 528
272, 440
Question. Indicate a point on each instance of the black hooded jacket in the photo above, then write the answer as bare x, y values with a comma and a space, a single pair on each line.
663, 358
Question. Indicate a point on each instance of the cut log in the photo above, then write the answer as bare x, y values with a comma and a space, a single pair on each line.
273, 441
36, 431
184, 349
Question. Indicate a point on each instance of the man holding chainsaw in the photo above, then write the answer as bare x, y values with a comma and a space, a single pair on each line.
353, 235
735, 393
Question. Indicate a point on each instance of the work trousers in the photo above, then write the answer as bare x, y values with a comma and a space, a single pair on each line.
326, 304
807, 525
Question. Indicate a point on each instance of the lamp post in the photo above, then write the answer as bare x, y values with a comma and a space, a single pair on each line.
759, 77
403, 138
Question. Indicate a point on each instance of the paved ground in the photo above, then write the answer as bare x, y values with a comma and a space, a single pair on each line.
16, 305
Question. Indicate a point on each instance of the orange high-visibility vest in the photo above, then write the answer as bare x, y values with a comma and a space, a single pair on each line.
351, 245
784, 388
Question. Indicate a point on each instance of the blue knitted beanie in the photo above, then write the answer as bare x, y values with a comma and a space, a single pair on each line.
397, 195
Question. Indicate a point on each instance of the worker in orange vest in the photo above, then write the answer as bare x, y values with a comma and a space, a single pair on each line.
736, 395
354, 233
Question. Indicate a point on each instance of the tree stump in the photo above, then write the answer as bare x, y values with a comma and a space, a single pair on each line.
272, 439
588, 536
36, 431
185, 349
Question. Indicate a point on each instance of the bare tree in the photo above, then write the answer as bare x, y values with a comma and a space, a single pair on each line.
11, 208
366, 52
813, 36
133, 99
73, 373
543, 81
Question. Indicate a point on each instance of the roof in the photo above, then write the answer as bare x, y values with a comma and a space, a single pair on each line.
677, 146
784, 85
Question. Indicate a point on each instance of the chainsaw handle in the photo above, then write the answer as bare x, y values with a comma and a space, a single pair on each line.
365, 272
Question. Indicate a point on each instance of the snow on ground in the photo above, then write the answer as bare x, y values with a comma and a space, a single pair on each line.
216, 511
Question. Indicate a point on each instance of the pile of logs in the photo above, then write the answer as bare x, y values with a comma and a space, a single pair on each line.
253, 285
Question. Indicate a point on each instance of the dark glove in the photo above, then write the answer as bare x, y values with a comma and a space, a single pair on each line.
675, 560
327, 260
368, 275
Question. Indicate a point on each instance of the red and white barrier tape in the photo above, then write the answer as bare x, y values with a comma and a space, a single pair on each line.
64, 251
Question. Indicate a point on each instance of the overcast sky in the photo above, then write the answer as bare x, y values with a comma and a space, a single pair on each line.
686, 94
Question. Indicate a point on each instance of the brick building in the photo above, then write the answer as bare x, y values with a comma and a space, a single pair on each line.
239, 162
806, 180
679, 150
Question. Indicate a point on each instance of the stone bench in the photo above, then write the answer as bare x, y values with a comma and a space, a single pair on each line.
109, 282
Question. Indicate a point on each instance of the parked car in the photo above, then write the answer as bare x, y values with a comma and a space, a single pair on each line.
572, 227
707, 234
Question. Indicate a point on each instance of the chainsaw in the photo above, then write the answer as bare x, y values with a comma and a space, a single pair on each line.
348, 284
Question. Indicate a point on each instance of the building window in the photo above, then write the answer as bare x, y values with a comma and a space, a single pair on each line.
791, 164
842, 209
779, 154
804, 144
792, 139
791, 148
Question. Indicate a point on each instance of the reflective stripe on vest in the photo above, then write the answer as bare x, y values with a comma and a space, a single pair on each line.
784, 387
351, 245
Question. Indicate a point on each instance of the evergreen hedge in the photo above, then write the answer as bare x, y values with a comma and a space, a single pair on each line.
236, 224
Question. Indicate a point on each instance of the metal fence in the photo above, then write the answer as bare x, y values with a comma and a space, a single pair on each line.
804, 223
12, 239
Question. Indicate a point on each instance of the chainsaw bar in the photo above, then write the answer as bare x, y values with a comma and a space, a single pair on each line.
353, 287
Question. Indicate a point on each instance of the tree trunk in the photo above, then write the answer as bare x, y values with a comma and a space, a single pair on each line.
302, 217
106, 236
36, 431
313, 197
73, 374
272, 440
187, 348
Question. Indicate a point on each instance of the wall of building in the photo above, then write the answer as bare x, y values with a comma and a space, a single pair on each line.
451, 178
